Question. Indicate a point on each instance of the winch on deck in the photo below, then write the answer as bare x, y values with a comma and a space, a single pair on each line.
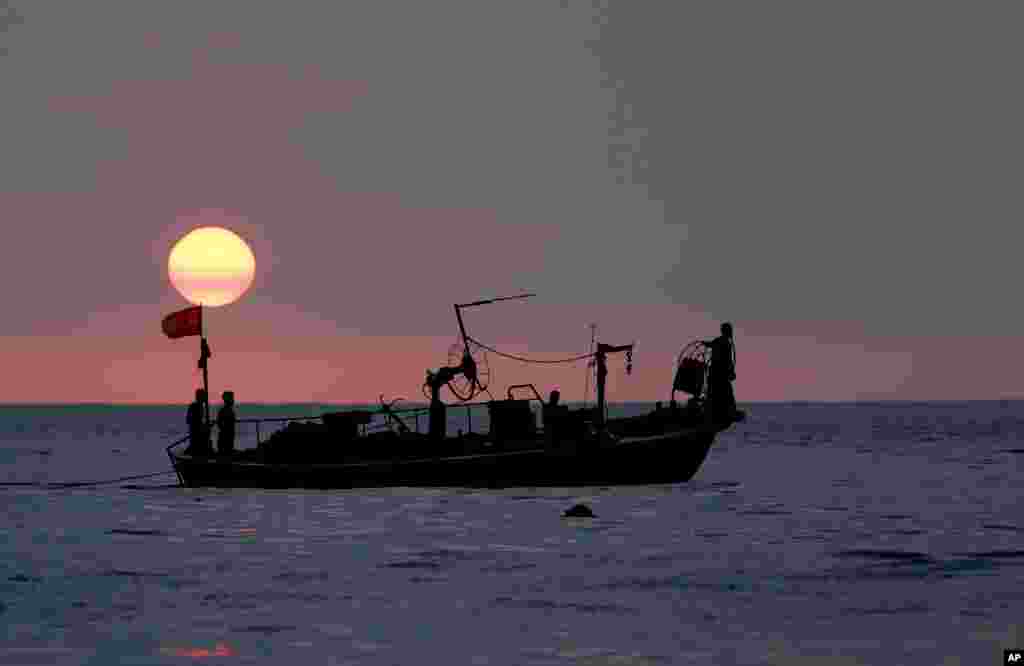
691, 371
511, 419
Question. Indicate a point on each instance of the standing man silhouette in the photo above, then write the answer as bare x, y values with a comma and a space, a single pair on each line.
226, 425
722, 374
198, 435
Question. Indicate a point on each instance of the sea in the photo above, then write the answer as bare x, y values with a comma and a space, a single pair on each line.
815, 533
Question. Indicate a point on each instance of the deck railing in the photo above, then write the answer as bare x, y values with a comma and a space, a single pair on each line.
382, 419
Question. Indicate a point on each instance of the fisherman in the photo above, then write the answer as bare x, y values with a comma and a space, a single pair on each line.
226, 425
722, 374
198, 434
554, 416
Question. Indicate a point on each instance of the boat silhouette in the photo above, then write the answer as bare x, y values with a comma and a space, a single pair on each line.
385, 447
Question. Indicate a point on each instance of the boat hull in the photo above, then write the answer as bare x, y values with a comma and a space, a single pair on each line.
671, 457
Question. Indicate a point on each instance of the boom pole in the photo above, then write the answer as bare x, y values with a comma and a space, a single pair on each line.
492, 300
462, 325
467, 368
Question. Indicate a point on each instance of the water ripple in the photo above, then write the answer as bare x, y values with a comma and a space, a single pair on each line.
412, 564
903, 609
503, 568
995, 554
134, 532
136, 574
22, 578
302, 576
545, 604
265, 629
886, 555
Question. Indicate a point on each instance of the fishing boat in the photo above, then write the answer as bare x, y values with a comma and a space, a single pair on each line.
385, 446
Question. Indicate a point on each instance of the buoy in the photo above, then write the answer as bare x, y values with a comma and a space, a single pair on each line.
579, 511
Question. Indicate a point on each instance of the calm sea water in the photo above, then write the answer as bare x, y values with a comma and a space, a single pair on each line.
814, 534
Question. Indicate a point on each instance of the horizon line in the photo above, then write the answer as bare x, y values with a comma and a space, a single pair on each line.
260, 403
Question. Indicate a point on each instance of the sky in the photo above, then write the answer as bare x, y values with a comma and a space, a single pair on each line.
840, 181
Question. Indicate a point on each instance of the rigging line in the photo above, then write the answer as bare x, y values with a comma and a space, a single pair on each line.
530, 360
81, 484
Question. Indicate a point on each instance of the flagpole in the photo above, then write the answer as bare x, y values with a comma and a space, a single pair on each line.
205, 361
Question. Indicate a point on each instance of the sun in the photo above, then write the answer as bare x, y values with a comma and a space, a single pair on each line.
211, 266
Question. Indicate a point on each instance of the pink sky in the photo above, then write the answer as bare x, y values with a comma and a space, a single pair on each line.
317, 367
380, 174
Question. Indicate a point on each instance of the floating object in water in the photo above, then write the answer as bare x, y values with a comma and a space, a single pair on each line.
579, 511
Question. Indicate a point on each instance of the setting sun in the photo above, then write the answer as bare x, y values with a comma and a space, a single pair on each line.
211, 266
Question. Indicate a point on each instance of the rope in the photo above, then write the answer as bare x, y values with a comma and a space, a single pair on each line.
472, 391
523, 359
82, 484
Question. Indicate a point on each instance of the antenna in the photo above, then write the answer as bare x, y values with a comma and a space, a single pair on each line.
590, 364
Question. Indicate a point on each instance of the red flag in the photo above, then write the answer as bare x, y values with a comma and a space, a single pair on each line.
184, 322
